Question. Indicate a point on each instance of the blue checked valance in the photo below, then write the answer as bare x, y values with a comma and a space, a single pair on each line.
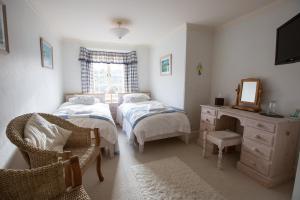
107, 57
87, 57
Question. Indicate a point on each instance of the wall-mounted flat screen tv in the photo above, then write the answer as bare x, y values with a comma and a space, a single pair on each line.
288, 42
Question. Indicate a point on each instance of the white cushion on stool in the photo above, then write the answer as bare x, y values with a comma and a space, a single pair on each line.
224, 138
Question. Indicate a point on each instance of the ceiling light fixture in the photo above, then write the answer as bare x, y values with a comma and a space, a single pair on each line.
119, 31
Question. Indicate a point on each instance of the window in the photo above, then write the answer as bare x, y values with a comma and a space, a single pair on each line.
109, 79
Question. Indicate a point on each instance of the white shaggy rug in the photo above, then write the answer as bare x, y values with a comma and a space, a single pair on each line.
171, 179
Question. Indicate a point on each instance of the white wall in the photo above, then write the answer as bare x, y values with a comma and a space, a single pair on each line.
72, 70
245, 48
169, 89
24, 85
197, 88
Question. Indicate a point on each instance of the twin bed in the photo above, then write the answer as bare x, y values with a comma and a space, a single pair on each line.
141, 118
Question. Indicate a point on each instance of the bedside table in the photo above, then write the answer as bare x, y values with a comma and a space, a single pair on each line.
113, 109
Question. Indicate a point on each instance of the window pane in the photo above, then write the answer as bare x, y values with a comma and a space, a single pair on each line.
116, 78
101, 81
108, 78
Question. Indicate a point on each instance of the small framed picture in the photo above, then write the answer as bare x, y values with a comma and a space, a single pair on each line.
4, 48
166, 65
46, 54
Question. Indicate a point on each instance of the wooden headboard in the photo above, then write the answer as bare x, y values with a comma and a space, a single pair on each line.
100, 96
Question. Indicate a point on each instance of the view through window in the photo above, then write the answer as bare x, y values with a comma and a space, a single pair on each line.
109, 79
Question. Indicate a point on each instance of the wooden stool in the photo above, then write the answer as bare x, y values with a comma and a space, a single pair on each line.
221, 139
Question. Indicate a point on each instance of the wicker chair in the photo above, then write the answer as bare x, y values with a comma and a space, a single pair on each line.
47, 182
80, 143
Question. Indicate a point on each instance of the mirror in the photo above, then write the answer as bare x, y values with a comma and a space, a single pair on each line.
248, 95
249, 92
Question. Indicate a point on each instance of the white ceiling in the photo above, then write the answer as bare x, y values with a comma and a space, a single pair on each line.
150, 19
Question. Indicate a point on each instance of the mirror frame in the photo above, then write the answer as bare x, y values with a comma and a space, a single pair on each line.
249, 106
256, 91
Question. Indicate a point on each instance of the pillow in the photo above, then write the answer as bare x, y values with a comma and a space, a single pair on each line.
135, 97
83, 99
45, 135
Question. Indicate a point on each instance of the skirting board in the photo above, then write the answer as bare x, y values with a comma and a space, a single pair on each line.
267, 182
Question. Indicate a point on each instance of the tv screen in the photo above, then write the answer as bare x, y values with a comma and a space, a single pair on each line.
288, 42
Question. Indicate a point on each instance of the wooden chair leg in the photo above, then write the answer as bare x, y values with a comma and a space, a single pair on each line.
111, 150
141, 148
99, 172
204, 144
186, 139
220, 157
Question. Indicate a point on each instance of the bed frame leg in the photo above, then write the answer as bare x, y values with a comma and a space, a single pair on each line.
186, 139
141, 148
111, 151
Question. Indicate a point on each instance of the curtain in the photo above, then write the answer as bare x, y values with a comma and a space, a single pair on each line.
87, 82
87, 57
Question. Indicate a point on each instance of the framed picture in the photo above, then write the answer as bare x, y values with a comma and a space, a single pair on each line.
46, 54
4, 48
166, 65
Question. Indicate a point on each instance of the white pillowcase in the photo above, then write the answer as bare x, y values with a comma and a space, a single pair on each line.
45, 135
135, 97
84, 99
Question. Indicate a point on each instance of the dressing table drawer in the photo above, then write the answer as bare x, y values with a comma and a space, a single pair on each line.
252, 161
259, 150
208, 111
261, 125
208, 119
259, 136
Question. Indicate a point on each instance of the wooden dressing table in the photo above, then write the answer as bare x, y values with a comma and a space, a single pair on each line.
269, 145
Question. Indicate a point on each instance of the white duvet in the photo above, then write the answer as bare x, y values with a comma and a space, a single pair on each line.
76, 114
152, 126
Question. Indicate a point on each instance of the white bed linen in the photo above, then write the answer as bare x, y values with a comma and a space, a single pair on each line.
152, 126
107, 129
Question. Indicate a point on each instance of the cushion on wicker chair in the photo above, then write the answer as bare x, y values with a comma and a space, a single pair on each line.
45, 135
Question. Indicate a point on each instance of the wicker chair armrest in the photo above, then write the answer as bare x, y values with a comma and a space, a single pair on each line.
75, 178
45, 182
79, 138
64, 155
42, 157
97, 136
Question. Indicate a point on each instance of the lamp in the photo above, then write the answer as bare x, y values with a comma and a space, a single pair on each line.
119, 31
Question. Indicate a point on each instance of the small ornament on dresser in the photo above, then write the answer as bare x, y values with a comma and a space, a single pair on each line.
219, 101
296, 114
271, 110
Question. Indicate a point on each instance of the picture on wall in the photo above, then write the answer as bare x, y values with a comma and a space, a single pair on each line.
4, 48
166, 65
46, 54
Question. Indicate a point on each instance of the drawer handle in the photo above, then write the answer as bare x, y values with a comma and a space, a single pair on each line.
287, 133
207, 120
260, 125
208, 112
259, 137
